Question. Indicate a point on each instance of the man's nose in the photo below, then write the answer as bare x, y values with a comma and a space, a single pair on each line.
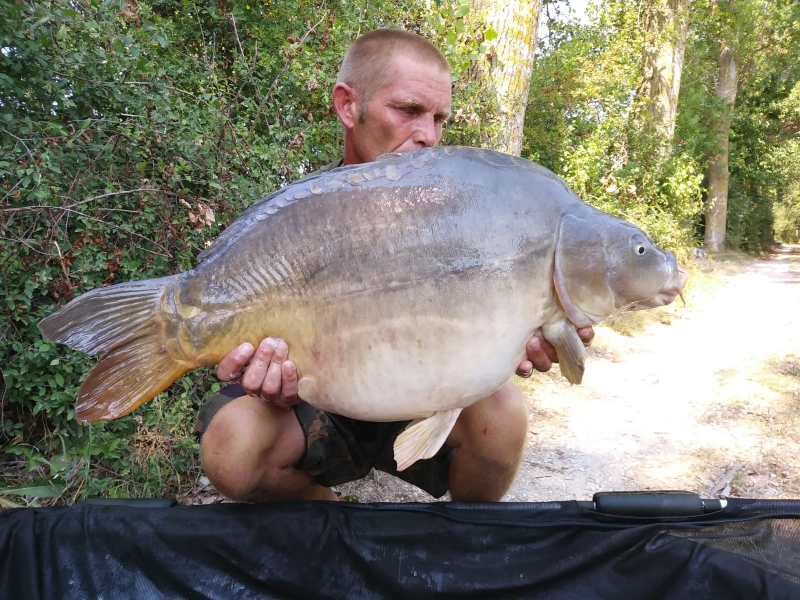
427, 133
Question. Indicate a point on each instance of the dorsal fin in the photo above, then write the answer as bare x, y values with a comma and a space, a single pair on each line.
390, 166
266, 207
239, 227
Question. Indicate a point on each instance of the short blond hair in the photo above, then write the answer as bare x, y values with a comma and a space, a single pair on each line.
369, 65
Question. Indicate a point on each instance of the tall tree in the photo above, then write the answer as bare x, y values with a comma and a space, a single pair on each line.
511, 28
742, 62
585, 123
665, 25
716, 209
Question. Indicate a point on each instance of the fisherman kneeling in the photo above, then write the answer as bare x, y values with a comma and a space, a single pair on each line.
259, 440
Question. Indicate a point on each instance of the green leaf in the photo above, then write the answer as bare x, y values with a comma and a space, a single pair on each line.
490, 34
39, 491
463, 10
59, 379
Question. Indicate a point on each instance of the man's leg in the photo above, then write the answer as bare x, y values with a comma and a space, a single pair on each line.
488, 440
249, 450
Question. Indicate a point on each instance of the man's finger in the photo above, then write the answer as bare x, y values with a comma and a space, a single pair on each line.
271, 387
586, 334
288, 397
549, 350
525, 369
253, 378
537, 355
230, 367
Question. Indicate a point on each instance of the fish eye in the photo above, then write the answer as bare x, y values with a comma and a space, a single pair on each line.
640, 249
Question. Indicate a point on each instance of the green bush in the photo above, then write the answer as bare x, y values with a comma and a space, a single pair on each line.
131, 135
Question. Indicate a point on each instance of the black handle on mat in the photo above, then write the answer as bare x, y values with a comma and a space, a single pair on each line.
652, 504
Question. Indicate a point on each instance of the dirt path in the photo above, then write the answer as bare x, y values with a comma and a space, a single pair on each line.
704, 398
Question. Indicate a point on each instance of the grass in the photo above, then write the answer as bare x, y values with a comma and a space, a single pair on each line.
160, 458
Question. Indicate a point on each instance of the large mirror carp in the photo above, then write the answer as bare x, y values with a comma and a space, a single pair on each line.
406, 288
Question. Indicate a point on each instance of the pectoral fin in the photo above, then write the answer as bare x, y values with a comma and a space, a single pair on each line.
569, 347
423, 438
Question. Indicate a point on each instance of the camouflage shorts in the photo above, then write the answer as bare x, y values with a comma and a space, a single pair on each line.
339, 449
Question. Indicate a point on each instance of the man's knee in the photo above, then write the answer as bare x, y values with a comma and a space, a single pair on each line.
495, 427
488, 441
508, 409
246, 442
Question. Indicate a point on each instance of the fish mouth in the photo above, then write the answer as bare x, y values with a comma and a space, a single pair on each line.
661, 299
668, 294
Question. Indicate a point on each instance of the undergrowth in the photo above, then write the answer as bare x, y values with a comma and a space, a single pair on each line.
132, 134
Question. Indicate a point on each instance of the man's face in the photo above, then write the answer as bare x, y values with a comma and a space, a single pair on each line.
408, 114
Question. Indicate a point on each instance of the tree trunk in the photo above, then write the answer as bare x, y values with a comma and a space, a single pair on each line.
717, 204
665, 23
506, 70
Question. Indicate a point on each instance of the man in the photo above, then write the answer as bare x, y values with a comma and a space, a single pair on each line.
259, 441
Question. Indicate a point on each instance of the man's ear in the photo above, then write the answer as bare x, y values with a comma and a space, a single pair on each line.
345, 103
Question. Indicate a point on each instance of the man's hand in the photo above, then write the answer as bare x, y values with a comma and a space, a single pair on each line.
266, 373
542, 354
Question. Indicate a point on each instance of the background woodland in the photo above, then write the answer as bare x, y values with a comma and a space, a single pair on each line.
132, 132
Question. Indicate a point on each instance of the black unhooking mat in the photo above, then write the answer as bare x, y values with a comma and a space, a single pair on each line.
749, 549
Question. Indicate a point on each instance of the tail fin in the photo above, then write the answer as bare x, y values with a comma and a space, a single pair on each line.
119, 323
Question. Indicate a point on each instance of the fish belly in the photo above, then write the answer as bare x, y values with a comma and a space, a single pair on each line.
405, 355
